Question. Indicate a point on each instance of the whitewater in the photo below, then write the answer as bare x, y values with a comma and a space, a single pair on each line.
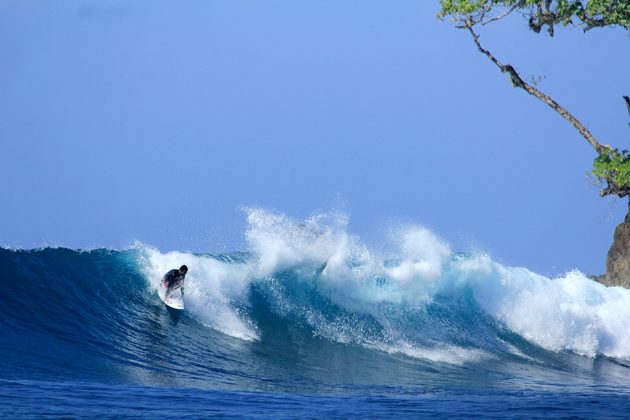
308, 320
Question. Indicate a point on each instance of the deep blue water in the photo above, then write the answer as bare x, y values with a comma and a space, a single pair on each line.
84, 334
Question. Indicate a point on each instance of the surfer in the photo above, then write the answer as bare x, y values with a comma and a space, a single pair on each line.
174, 279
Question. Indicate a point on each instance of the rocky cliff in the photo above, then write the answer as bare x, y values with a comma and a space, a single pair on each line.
618, 260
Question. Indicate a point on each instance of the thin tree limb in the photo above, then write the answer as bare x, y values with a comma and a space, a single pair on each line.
517, 81
502, 15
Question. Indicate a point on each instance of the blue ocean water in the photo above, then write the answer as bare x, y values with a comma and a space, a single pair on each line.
309, 322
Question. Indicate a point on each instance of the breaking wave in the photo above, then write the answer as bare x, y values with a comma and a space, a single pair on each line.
305, 295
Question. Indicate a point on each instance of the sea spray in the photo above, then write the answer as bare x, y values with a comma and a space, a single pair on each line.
325, 278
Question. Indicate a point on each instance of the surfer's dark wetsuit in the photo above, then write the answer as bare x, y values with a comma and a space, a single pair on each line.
174, 279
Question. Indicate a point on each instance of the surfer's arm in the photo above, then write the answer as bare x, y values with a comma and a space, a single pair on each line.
178, 284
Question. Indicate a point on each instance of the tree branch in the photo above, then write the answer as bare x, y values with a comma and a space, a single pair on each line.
614, 189
502, 15
517, 81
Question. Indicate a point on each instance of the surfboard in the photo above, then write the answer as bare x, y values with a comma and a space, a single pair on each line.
174, 299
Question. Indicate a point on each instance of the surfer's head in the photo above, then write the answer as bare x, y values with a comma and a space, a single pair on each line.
183, 269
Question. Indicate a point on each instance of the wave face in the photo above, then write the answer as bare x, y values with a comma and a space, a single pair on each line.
308, 307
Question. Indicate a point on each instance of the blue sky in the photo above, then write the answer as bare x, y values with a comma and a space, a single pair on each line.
158, 120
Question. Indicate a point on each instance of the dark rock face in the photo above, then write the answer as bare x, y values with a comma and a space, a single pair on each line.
618, 260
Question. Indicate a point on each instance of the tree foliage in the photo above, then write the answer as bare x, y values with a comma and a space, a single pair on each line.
614, 169
586, 14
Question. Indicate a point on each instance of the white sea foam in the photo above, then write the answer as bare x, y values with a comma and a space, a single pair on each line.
213, 292
571, 312
567, 313
451, 354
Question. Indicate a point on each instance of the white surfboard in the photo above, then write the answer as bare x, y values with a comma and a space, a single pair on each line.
174, 299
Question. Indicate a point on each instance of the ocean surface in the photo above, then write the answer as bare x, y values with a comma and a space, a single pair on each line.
308, 321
